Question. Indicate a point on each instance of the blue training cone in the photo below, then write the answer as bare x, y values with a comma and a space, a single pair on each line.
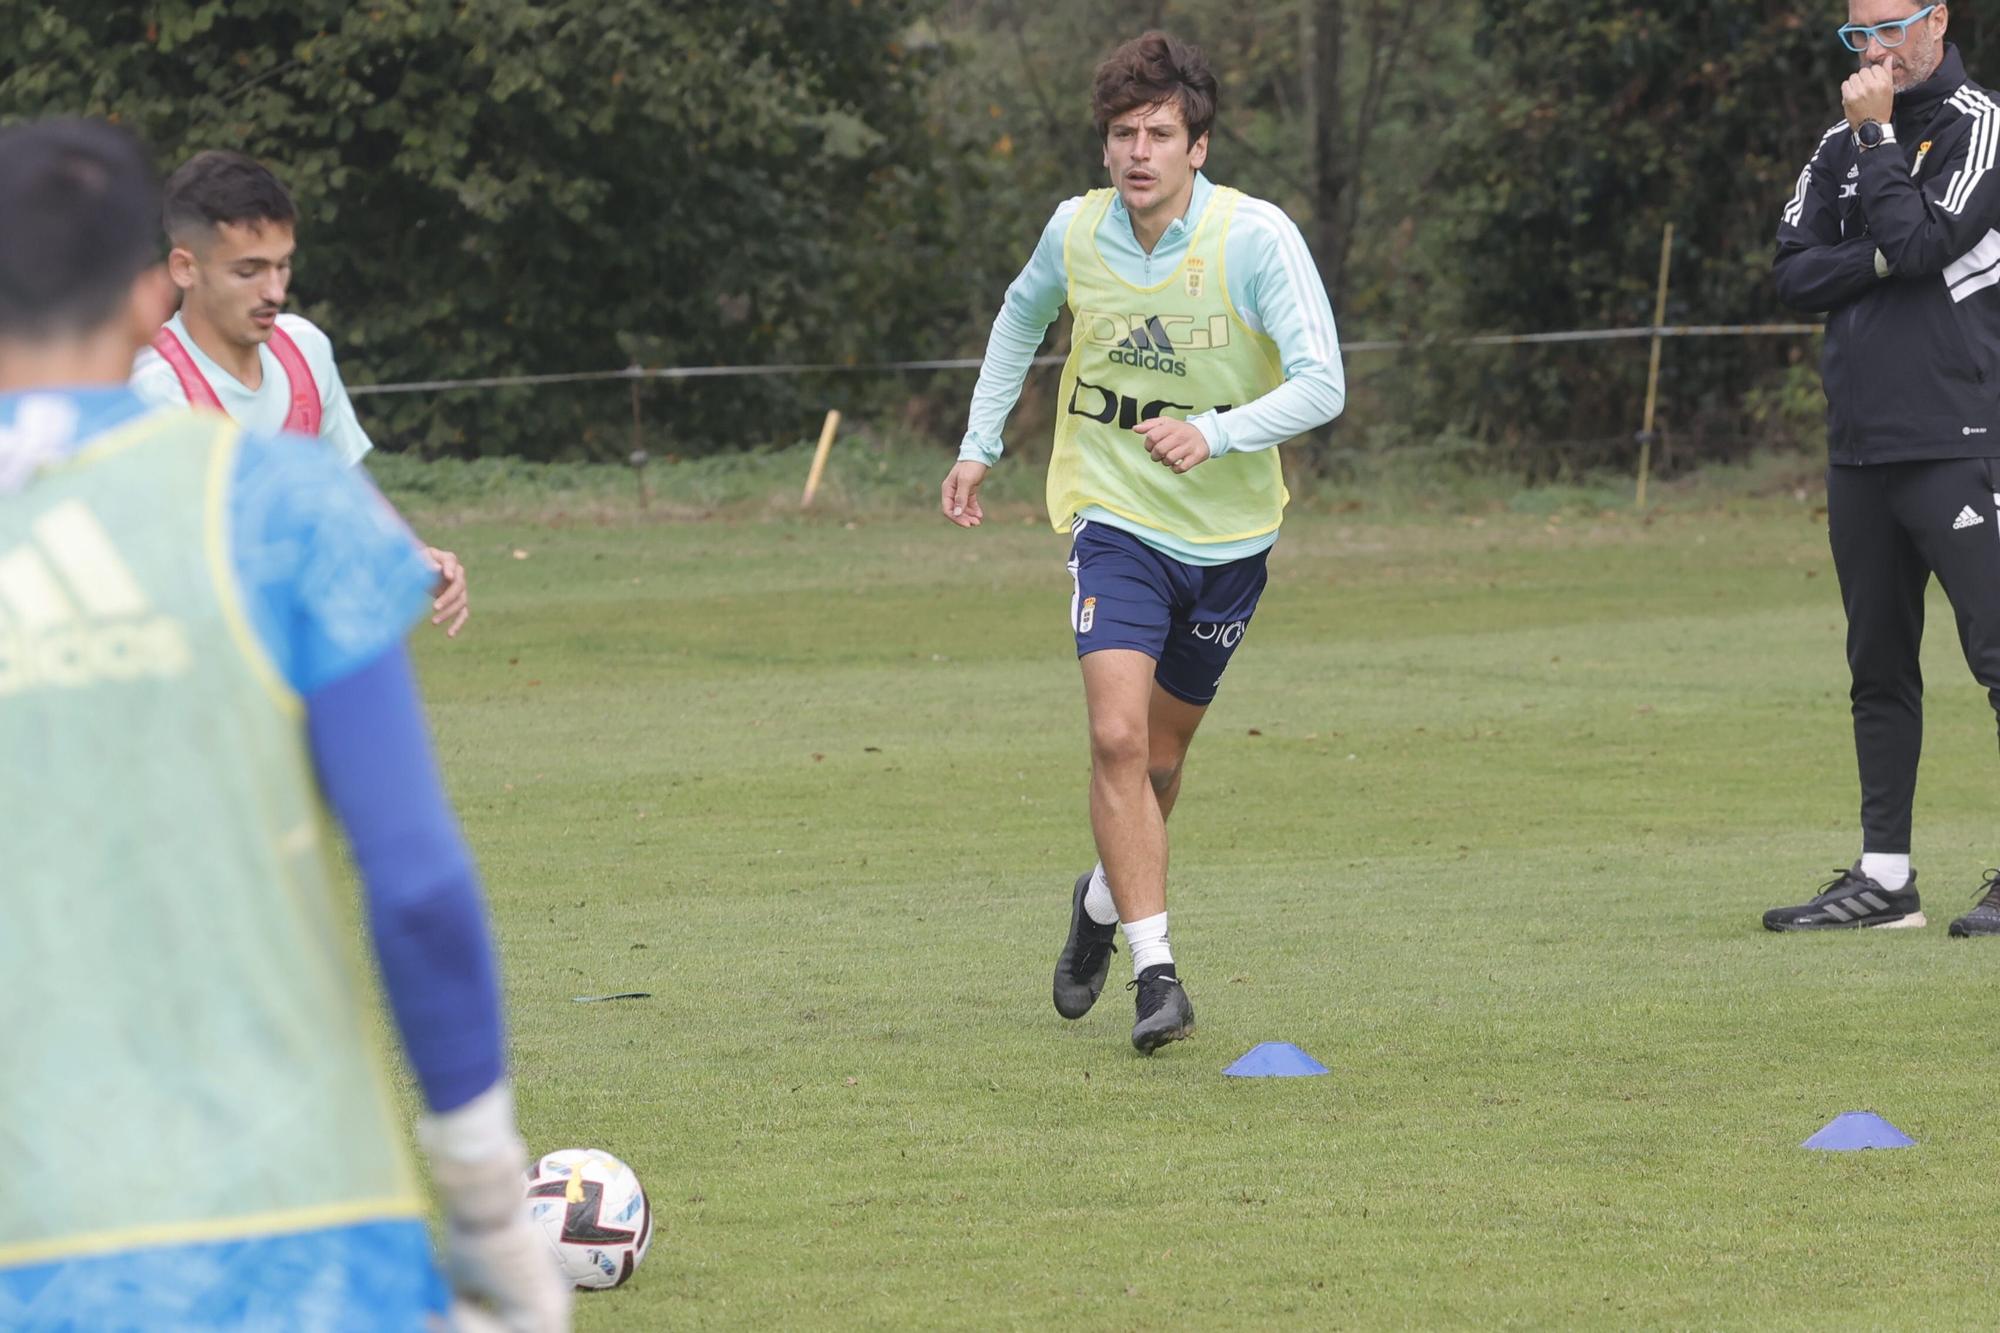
1275, 1059
1851, 1131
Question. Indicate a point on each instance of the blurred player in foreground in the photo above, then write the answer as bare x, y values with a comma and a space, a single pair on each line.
1202, 338
232, 348
200, 643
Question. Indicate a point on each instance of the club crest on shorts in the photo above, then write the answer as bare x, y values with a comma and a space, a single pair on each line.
1086, 615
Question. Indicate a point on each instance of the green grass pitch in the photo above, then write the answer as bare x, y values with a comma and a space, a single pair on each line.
1484, 819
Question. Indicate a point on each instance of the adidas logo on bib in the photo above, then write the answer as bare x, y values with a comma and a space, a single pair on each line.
72, 615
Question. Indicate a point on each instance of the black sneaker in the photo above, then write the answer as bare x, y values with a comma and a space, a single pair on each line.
1085, 957
1983, 919
1165, 1012
1852, 899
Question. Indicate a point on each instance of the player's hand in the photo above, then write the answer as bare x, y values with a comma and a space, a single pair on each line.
496, 1260
960, 497
453, 606
1173, 442
504, 1277
1869, 94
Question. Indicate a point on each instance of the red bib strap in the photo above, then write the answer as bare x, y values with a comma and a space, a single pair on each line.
303, 419
193, 383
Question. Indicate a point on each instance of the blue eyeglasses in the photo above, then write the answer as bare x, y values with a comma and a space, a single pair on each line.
1855, 37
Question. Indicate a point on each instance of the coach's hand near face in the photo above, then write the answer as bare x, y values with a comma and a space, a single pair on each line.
1869, 94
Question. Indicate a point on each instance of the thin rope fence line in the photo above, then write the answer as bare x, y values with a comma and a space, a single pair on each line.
973, 362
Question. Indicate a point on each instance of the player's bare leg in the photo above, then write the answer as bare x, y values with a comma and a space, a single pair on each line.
1131, 830
1125, 814
1170, 728
1086, 957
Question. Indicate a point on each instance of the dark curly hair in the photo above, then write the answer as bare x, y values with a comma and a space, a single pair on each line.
1151, 69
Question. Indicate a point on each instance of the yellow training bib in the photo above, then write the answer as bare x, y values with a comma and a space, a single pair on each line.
1176, 350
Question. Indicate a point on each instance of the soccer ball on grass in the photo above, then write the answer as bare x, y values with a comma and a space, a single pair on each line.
592, 1210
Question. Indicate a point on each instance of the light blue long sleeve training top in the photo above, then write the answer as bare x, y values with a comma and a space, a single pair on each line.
1274, 285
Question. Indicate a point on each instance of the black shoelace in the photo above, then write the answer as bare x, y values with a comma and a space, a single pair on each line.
1988, 892
1085, 961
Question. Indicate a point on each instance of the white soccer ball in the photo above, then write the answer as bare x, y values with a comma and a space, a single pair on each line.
592, 1210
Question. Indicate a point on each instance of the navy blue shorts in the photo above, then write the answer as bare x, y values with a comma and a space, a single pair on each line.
1187, 618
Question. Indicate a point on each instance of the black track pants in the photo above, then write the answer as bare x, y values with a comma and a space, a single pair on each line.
1892, 526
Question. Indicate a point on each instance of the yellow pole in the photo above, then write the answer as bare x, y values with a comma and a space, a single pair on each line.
819, 457
1653, 370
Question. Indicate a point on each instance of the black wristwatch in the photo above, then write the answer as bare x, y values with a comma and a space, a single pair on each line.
1873, 134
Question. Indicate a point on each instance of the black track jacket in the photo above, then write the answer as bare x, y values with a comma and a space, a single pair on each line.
1912, 361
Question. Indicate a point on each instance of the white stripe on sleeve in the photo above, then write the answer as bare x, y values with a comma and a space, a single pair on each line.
1797, 207
1979, 156
1300, 272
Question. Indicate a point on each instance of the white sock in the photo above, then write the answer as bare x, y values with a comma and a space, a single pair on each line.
1889, 869
1097, 904
1147, 939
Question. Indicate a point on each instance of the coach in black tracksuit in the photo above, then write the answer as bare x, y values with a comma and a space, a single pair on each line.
1892, 232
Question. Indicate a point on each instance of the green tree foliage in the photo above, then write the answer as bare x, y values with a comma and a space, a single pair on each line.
496, 185
1597, 122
